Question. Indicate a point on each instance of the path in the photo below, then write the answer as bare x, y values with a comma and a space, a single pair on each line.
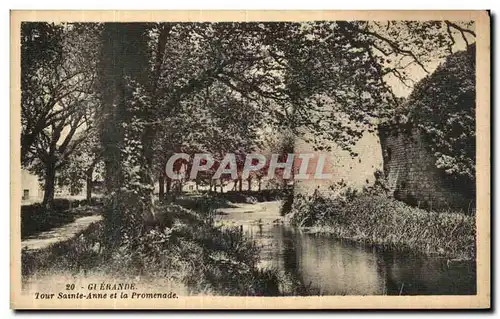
59, 234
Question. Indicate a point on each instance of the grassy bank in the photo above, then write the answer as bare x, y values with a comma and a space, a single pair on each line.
383, 221
192, 253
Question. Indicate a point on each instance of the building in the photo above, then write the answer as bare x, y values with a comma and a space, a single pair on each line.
356, 172
412, 176
31, 190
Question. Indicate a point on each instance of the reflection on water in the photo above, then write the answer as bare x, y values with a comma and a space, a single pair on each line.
329, 266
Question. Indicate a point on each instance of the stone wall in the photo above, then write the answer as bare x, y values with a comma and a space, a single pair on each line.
356, 172
411, 174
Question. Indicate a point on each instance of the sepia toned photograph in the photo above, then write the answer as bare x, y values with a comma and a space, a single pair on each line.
250, 160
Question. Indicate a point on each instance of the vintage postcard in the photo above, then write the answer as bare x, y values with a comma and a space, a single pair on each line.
250, 159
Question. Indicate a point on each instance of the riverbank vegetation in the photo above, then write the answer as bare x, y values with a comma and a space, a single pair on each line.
190, 253
383, 221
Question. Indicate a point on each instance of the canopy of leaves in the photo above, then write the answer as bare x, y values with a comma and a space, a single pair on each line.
58, 69
443, 106
158, 88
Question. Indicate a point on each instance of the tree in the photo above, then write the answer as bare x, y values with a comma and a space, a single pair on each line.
57, 98
82, 165
123, 79
166, 87
213, 120
198, 118
41, 52
443, 107
332, 78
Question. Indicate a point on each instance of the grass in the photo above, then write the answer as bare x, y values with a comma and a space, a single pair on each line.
191, 254
75, 255
386, 222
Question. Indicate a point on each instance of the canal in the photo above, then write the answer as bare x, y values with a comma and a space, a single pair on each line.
330, 266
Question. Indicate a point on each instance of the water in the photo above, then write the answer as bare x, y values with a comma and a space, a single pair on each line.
329, 266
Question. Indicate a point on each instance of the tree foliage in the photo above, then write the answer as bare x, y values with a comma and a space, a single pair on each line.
152, 89
58, 102
443, 106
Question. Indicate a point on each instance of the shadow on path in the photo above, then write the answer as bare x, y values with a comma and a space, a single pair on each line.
59, 234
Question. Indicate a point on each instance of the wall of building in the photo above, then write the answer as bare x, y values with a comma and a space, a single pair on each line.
411, 174
30, 187
32, 192
356, 172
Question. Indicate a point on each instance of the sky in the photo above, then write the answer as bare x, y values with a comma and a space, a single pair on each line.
417, 73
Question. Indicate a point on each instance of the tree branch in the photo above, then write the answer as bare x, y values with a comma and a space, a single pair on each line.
395, 47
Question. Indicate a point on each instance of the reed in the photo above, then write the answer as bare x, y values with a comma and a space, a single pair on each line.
386, 222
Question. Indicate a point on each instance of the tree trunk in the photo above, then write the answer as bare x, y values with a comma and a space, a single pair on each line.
119, 60
169, 185
179, 187
161, 184
146, 174
240, 184
49, 187
89, 185
249, 184
260, 184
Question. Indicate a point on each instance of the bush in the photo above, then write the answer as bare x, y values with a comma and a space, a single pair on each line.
384, 221
92, 202
81, 253
35, 219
